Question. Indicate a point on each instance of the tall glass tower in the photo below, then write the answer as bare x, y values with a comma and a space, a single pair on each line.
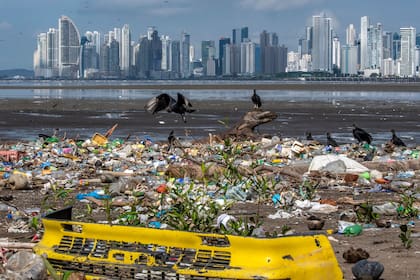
408, 45
125, 46
68, 48
322, 43
185, 55
364, 25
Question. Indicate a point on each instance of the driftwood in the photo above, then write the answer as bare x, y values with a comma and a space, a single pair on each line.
245, 128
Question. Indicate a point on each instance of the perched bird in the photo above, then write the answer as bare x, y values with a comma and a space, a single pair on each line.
165, 102
330, 141
396, 140
309, 136
361, 135
256, 100
171, 140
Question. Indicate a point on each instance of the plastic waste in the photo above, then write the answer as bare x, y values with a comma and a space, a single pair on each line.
387, 209
353, 230
98, 194
236, 192
25, 265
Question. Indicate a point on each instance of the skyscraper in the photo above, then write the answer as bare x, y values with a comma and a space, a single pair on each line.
222, 63
40, 56
349, 59
374, 47
408, 45
52, 52
185, 55
125, 47
336, 53
68, 48
364, 25
239, 35
174, 65
321, 43
207, 52
350, 35
166, 45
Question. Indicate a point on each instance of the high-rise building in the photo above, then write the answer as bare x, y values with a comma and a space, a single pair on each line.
364, 25
321, 43
174, 65
336, 53
68, 48
249, 61
408, 45
349, 59
185, 55
239, 35
125, 46
396, 46
387, 45
208, 49
156, 52
166, 46
114, 58
40, 56
351, 35
52, 53
222, 63
374, 47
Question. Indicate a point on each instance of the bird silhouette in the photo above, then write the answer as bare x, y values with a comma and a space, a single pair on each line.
256, 99
309, 136
171, 140
361, 135
166, 102
330, 141
396, 140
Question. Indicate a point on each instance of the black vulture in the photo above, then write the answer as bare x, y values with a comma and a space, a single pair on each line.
361, 135
396, 140
309, 136
256, 100
330, 141
171, 140
165, 102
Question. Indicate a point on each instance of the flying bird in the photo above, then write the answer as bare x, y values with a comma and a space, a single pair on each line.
166, 102
256, 100
396, 140
361, 135
331, 141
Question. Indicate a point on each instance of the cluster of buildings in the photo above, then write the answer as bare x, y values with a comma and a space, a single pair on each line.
64, 53
371, 51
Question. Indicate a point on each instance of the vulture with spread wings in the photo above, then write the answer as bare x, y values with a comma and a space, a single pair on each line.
166, 102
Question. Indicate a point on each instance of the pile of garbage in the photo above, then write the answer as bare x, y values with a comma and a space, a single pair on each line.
198, 186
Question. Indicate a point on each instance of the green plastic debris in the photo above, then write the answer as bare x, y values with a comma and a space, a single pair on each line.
353, 230
365, 175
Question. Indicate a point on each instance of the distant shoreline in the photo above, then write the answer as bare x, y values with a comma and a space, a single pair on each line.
195, 85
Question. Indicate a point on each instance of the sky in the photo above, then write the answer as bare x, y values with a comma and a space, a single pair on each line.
22, 20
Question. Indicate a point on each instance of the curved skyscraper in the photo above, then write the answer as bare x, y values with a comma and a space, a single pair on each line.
68, 48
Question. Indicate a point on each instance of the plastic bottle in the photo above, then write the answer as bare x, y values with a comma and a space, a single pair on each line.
353, 230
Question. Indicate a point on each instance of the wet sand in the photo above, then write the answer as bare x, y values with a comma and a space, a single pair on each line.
25, 118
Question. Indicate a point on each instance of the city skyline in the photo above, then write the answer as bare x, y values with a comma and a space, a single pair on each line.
20, 21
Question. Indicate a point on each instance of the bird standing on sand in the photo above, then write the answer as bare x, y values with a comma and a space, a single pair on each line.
165, 102
171, 140
330, 141
309, 136
256, 99
396, 140
361, 135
